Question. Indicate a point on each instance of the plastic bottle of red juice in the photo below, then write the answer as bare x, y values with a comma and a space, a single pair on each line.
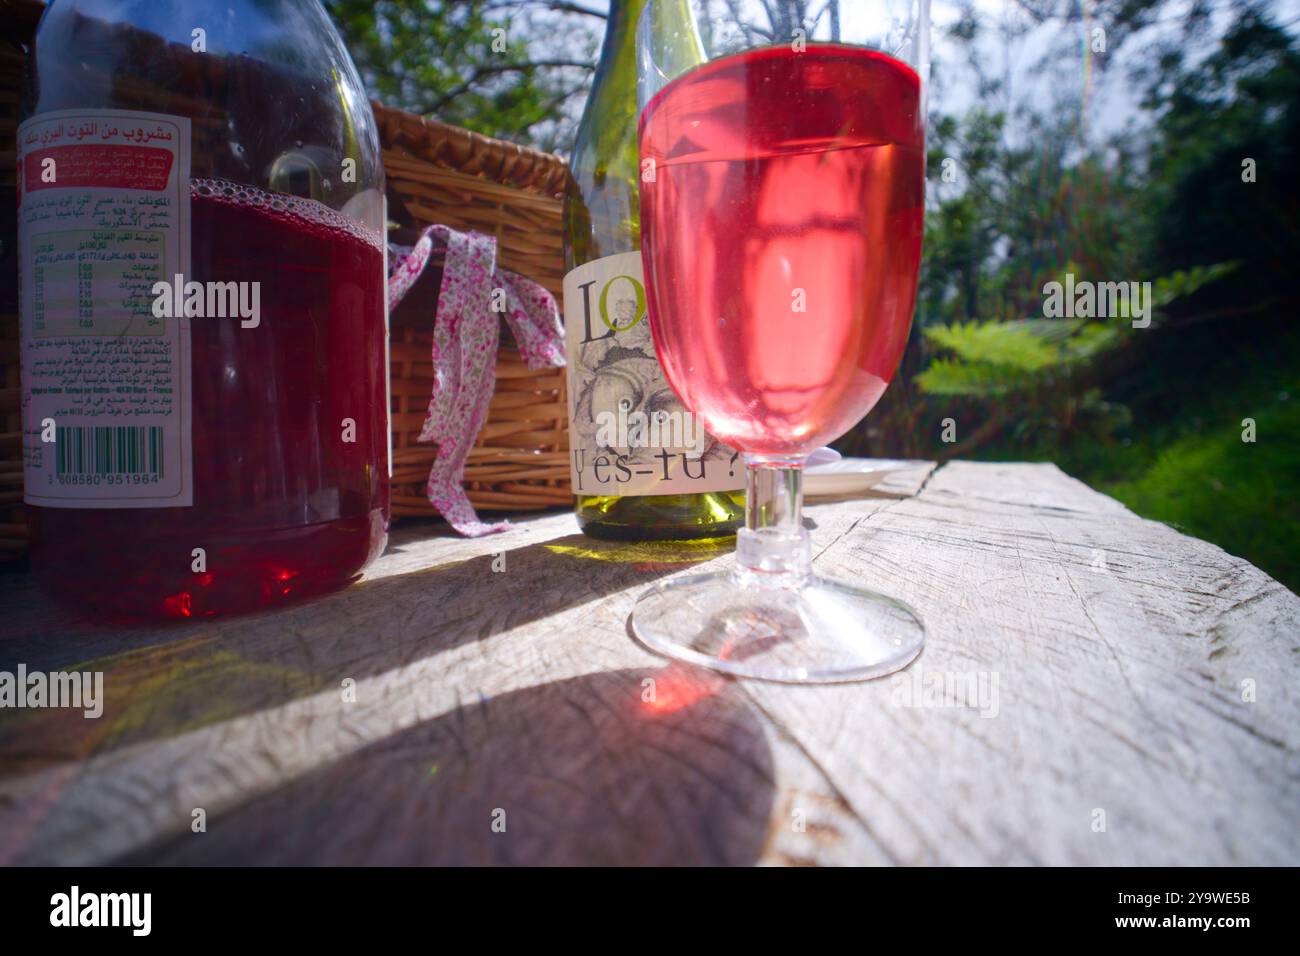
204, 319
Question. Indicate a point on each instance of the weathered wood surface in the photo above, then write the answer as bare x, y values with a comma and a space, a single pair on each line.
1130, 676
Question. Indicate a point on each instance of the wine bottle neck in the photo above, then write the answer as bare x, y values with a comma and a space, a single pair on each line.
620, 35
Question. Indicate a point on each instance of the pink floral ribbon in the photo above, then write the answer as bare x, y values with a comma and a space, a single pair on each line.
466, 332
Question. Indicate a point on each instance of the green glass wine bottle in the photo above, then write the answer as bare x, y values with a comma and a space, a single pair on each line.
642, 467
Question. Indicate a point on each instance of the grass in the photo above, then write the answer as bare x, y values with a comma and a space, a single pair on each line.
1180, 457
1238, 494
1183, 459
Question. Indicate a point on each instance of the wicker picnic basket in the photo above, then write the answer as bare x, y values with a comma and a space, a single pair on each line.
436, 174
441, 174
17, 23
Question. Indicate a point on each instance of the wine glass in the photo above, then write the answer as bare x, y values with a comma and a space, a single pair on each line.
782, 203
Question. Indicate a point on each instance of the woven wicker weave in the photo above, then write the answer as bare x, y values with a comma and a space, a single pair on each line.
17, 23
439, 173
436, 174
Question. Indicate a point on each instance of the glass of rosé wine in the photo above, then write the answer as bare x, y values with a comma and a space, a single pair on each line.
782, 202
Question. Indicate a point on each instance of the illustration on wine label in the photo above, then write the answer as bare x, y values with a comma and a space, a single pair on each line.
629, 433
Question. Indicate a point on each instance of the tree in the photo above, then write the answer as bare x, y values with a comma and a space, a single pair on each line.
1021, 193
518, 69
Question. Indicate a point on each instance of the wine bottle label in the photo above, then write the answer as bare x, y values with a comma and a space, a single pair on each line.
103, 226
629, 434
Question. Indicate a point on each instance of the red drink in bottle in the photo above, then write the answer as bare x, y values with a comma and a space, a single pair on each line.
183, 463
283, 507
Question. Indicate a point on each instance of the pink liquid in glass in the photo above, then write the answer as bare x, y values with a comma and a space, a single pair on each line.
781, 237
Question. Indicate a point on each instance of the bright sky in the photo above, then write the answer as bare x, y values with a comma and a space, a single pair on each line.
1108, 95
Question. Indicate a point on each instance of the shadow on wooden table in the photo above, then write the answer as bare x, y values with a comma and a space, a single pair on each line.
164, 681
580, 771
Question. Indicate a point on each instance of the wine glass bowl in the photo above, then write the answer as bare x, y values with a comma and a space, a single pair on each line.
781, 252
782, 206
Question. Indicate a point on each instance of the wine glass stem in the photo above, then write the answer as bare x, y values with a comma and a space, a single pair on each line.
773, 549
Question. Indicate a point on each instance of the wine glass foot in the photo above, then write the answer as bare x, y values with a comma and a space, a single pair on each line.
822, 632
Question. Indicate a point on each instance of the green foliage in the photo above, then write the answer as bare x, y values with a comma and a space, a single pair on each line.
949, 377
1242, 103
994, 358
1185, 282
1043, 368
1240, 495
469, 63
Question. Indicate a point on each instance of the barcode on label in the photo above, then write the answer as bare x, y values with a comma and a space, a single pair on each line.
109, 450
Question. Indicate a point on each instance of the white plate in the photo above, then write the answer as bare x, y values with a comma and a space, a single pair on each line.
850, 476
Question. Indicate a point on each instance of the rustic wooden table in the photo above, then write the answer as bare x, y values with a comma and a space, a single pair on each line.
1095, 689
